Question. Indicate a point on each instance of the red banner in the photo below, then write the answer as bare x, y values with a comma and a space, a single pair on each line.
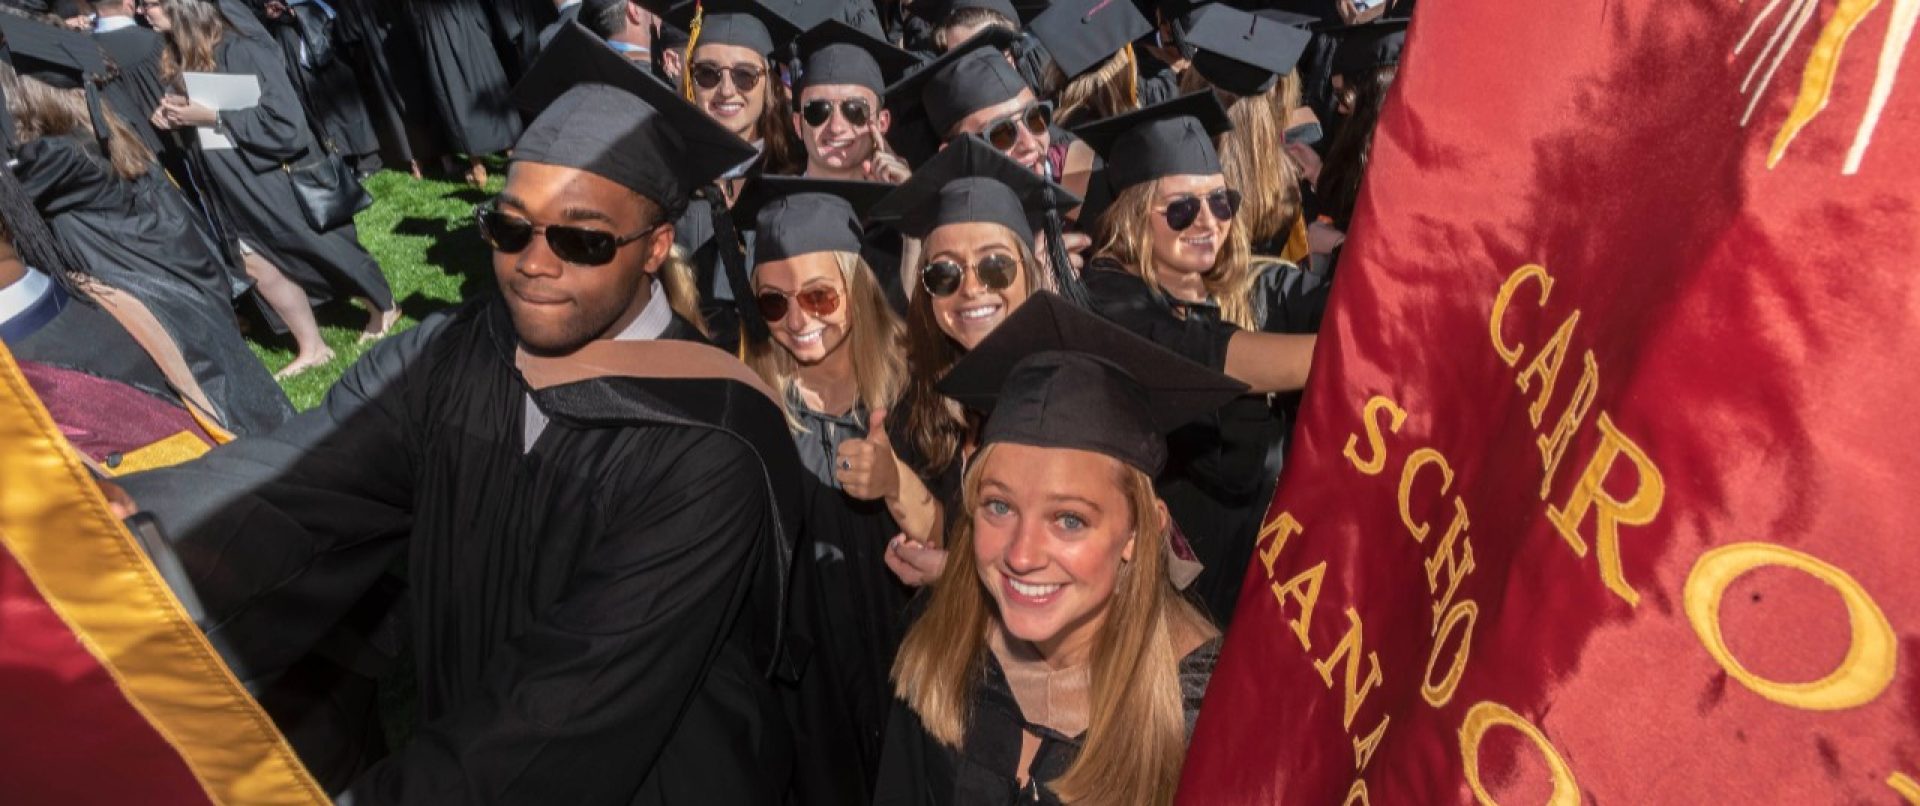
1597, 491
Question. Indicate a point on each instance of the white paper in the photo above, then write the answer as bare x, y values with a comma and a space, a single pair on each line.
220, 92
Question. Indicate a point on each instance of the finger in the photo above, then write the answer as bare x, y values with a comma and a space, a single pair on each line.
877, 428
879, 141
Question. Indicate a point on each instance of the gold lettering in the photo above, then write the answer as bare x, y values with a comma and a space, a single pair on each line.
1457, 564
1485, 715
1350, 646
1275, 533
1868, 666
1304, 590
1363, 746
1421, 458
1905, 787
1553, 448
1511, 354
1465, 613
1357, 794
1375, 439
1546, 367
1589, 493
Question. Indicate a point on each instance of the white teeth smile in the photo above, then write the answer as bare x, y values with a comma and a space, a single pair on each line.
809, 337
979, 313
1203, 241
1033, 591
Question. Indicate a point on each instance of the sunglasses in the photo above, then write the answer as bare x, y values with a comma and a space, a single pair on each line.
817, 113
942, 277
708, 75
580, 246
1002, 134
820, 302
1184, 209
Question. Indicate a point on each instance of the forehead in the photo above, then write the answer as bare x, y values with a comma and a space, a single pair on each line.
1190, 183
540, 186
727, 54
1035, 473
798, 271
979, 118
838, 92
970, 237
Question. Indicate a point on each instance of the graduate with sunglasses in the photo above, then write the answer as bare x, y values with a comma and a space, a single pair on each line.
1174, 266
837, 110
595, 509
976, 214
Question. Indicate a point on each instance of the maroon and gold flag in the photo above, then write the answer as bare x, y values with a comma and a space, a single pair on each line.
1604, 487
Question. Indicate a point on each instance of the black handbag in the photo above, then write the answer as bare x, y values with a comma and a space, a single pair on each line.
328, 190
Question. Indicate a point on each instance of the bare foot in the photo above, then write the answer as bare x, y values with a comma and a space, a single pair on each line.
414, 168
379, 323
303, 363
477, 174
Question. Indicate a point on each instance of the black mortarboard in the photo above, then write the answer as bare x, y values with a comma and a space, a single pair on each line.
834, 52
594, 110
793, 216
765, 26
1242, 53
670, 36
56, 56
1364, 47
962, 81
1170, 138
937, 11
1080, 34
970, 181
1056, 376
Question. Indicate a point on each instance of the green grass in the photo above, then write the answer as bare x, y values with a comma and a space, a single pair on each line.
421, 232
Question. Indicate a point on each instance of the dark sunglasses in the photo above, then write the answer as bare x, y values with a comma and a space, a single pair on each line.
580, 246
1184, 209
1002, 134
708, 74
942, 277
821, 302
817, 113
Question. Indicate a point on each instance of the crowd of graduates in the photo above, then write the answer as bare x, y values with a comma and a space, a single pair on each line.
879, 402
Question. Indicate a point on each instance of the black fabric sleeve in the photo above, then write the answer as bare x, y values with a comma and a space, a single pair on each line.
1294, 298
1127, 301
274, 130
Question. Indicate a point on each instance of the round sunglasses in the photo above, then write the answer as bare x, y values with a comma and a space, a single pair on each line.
942, 278
708, 74
1004, 133
1184, 209
820, 302
580, 246
816, 113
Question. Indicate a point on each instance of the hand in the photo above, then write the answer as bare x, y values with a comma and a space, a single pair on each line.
183, 112
1308, 159
160, 120
275, 9
867, 468
915, 563
118, 501
1076, 245
1323, 238
884, 165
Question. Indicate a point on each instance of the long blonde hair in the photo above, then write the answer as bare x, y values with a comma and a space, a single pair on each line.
1126, 232
41, 110
677, 278
873, 342
1253, 155
1110, 88
1137, 738
197, 27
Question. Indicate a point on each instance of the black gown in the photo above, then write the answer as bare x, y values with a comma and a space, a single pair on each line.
258, 195
592, 619
137, 90
464, 75
142, 239
326, 80
917, 770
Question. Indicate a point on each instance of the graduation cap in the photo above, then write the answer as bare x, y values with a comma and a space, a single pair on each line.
834, 52
937, 11
969, 181
1081, 34
595, 111
1240, 52
765, 26
1170, 138
54, 55
795, 216
1365, 47
1056, 376
962, 81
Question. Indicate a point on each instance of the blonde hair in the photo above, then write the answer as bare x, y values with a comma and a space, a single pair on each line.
41, 110
1126, 232
677, 278
1253, 155
1110, 88
1137, 738
873, 339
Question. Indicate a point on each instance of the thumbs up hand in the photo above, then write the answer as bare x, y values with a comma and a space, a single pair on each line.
867, 468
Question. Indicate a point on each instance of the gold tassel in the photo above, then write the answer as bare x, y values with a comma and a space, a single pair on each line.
1133, 77
686, 58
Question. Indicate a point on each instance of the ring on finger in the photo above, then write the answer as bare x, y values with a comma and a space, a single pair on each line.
846, 465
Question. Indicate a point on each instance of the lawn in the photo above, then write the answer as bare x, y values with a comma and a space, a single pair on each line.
421, 232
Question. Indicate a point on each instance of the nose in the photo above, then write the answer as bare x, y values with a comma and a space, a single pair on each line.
970, 283
538, 259
1027, 551
1029, 145
796, 318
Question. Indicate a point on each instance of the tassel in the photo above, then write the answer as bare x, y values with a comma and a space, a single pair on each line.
686, 58
1133, 78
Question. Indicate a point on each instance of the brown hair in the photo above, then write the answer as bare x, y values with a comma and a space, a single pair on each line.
1365, 93
1137, 738
197, 29
934, 424
970, 17
1126, 230
873, 337
1111, 88
40, 110
1253, 155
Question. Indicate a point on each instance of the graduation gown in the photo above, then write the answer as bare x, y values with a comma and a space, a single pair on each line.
141, 239
464, 75
326, 80
592, 618
917, 770
258, 195
136, 92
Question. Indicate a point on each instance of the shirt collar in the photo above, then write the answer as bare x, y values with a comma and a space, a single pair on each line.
103, 24
15, 299
653, 319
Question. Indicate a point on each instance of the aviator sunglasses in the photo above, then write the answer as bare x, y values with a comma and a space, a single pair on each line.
1002, 134
942, 277
820, 302
580, 246
1184, 209
817, 112
745, 78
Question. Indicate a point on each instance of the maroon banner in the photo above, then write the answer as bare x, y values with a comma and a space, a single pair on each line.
1598, 489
